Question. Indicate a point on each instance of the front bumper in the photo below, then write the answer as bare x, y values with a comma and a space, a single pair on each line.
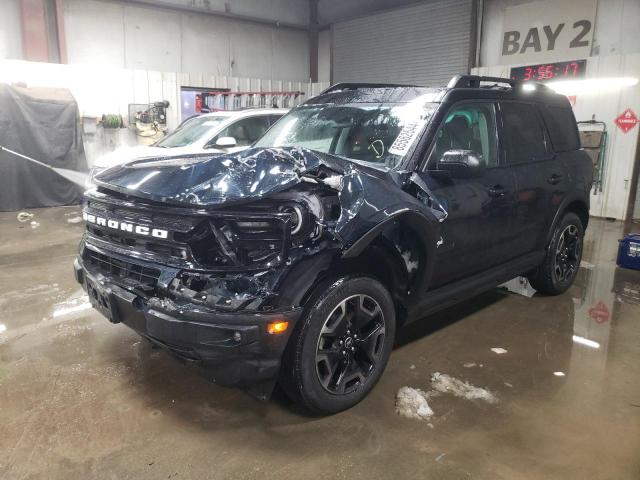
234, 347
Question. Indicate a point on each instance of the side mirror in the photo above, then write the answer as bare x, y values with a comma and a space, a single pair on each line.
461, 164
226, 142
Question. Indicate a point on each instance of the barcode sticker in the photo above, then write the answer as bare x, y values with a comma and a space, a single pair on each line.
406, 137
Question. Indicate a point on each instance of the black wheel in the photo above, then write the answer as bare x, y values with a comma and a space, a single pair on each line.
560, 267
340, 346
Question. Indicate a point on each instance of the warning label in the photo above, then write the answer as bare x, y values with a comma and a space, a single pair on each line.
627, 120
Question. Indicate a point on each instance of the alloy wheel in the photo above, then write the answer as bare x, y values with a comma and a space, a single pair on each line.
350, 344
568, 253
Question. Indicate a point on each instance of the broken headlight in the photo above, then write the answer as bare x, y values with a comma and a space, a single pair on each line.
296, 217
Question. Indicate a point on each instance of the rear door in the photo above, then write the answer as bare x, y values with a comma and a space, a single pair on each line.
480, 210
541, 179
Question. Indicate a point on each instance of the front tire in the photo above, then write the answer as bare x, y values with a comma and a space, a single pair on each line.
562, 261
340, 346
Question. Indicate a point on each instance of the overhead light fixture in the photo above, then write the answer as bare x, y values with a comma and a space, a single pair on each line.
586, 342
529, 87
591, 85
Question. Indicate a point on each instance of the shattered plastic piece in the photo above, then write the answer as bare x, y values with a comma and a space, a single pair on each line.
559, 374
412, 403
74, 219
508, 384
469, 365
24, 216
520, 286
499, 350
412, 367
440, 457
444, 383
34, 224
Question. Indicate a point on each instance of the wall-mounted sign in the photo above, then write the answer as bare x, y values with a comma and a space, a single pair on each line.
550, 71
627, 120
548, 30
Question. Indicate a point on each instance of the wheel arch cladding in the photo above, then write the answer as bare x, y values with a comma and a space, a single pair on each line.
404, 245
578, 205
580, 208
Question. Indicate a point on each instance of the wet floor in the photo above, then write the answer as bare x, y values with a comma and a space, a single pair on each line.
81, 398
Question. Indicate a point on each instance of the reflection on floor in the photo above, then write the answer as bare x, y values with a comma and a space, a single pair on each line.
81, 398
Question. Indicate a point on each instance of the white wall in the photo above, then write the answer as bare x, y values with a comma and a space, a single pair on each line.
139, 37
107, 90
615, 30
324, 56
606, 106
10, 32
293, 12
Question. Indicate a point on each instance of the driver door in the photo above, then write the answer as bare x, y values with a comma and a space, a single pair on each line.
480, 209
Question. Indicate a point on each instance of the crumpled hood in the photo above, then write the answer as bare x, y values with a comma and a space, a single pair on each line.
212, 180
138, 152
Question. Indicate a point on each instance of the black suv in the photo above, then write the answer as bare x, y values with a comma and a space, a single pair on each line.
363, 209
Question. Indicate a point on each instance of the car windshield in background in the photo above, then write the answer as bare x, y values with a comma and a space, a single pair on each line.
380, 133
191, 131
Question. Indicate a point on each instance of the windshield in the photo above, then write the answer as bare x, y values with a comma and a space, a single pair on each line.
192, 130
380, 133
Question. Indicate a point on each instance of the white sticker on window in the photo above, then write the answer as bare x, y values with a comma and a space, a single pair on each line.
406, 137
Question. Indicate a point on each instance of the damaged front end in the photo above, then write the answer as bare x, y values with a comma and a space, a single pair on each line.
203, 255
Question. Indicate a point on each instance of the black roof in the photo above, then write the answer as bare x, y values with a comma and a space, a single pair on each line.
460, 86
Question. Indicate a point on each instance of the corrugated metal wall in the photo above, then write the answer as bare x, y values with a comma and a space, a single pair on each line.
424, 44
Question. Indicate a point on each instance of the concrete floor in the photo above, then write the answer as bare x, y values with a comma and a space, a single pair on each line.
81, 398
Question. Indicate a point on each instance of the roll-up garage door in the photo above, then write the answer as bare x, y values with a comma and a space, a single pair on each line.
424, 44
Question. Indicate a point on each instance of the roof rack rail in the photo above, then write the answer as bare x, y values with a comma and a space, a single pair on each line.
473, 81
355, 86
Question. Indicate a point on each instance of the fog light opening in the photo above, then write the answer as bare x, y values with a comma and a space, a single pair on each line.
274, 328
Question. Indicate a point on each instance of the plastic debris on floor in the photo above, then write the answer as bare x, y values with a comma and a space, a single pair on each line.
24, 216
412, 403
443, 383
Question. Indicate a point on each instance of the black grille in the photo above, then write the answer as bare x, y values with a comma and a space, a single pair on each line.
222, 240
129, 273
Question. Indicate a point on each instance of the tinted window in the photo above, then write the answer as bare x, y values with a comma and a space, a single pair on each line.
245, 131
562, 128
470, 126
274, 118
524, 137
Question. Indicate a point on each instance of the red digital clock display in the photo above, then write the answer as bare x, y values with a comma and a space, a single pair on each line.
550, 71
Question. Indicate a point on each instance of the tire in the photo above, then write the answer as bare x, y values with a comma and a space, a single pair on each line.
562, 261
340, 346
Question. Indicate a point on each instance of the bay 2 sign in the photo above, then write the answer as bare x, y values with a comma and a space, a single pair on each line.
548, 30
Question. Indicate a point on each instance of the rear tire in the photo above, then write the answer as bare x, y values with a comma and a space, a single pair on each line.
340, 346
562, 261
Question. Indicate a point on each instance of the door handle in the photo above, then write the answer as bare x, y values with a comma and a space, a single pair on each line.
497, 191
555, 179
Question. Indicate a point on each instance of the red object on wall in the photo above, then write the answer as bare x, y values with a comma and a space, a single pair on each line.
627, 120
34, 31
